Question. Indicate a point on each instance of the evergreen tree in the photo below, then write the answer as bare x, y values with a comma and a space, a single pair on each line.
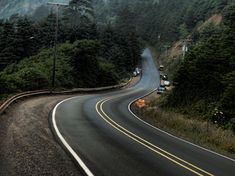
47, 31
79, 20
24, 41
85, 64
7, 50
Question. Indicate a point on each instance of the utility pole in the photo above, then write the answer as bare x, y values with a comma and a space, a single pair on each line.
57, 5
184, 49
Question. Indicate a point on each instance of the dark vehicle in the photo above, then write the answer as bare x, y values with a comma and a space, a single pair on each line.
161, 89
165, 77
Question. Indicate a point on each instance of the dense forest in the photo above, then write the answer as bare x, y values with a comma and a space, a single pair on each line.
88, 56
205, 80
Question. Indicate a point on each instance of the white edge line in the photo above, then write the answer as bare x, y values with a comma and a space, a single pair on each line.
68, 147
129, 108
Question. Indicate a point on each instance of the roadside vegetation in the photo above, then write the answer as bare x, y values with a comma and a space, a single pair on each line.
89, 54
190, 128
200, 105
205, 80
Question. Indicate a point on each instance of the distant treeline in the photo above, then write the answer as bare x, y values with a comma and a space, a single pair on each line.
158, 21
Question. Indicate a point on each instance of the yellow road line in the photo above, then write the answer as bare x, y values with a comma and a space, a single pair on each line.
151, 143
143, 141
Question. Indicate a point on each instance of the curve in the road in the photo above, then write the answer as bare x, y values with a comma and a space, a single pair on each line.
112, 140
198, 171
65, 143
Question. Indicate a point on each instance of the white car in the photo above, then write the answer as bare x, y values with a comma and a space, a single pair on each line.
135, 74
167, 83
137, 70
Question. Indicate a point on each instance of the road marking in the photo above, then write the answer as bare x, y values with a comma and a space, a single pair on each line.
152, 147
171, 135
65, 143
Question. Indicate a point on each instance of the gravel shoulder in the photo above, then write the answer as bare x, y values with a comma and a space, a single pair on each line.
27, 145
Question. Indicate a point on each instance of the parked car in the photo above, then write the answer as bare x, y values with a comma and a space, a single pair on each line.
162, 86
135, 74
161, 89
167, 83
161, 67
138, 70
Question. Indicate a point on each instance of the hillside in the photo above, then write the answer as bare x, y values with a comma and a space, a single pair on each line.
23, 7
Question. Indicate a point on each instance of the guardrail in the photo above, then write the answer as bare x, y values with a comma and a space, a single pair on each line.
8, 102
16, 97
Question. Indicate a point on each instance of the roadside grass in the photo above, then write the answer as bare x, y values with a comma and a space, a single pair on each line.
192, 129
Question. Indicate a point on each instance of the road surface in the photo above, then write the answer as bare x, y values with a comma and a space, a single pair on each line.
106, 138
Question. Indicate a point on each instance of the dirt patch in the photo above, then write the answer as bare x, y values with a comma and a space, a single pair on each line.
215, 19
27, 146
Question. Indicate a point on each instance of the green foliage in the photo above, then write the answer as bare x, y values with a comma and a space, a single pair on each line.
31, 79
35, 72
21, 37
108, 75
205, 80
229, 15
88, 57
85, 63
81, 64
227, 103
209, 30
166, 18
122, 48
183, 30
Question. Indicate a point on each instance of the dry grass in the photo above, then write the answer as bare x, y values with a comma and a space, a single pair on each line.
194, 130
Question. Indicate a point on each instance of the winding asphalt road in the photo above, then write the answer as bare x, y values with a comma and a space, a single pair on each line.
106, 138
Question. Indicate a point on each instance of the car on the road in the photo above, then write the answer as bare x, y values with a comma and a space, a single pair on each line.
161, 89
161, 68
137, 72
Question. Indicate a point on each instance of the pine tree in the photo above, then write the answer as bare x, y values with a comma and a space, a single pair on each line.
7, 49
24, 42
79, 21
47, 31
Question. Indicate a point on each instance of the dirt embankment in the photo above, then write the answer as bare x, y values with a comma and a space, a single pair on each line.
27, 146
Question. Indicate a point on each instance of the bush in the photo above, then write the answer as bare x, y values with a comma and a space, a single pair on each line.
31, 79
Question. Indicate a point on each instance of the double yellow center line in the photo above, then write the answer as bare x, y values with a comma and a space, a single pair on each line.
196, 170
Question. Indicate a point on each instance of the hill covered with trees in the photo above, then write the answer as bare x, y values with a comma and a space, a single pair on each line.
88, 56
205, 80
